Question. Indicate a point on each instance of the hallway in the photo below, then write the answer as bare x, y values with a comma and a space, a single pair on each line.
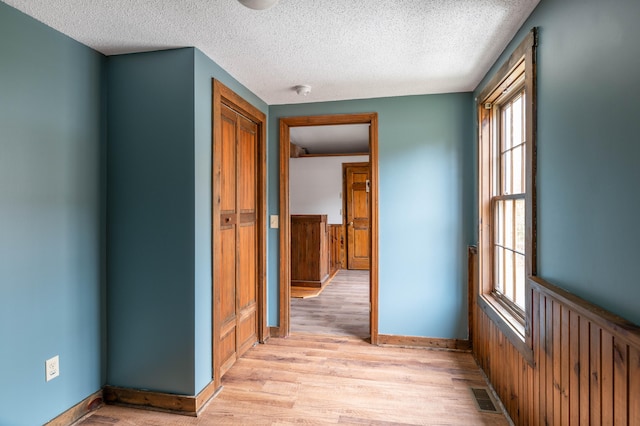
341, 309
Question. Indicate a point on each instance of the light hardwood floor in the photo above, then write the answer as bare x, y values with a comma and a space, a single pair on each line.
341, 309
327, 373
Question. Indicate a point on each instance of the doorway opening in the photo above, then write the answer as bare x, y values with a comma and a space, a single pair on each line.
370, 185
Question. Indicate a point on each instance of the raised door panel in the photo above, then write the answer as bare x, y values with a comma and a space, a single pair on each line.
247, 161
228, 162
227, 277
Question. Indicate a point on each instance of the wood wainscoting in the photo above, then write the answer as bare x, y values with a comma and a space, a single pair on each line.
336, 248
586, 362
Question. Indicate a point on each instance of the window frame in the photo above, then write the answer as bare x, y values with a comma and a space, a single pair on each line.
499, 193
522, 61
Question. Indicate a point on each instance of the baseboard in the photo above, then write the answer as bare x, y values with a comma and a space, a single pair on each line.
424, 342
81, 409
274, 331
207, 394
178, 404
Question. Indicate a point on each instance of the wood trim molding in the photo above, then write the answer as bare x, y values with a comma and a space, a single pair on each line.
424, 342
614, 324
160, 401
522, 60
285, 231
472, 286
81, 409
207, 394
373, 271
344, 154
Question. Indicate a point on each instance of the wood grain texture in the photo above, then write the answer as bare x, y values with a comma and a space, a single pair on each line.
586, 367
357, 208
81, 409
307, 379
310, 251
177, 404
337, 248
423, 342
341, 309
238, 182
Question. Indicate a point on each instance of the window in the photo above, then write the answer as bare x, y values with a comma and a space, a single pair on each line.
508, 200
506, 114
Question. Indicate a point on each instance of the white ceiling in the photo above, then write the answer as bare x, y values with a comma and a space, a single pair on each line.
344, 49
339, 139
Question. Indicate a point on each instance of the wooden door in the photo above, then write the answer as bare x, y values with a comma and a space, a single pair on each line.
357, 210
236, 254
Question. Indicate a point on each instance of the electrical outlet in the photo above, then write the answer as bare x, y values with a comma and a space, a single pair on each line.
273, 221
52, 368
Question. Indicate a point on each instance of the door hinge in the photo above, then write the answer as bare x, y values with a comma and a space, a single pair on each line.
368, 185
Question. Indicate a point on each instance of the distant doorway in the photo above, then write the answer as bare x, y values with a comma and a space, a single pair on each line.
371, 119
357, 187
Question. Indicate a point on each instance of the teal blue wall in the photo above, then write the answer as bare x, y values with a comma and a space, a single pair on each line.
425, 213
53, 155
589, 148
205, 70
159, 191
52, 124
150, 193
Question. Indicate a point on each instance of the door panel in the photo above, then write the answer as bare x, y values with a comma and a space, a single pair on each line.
357, 206
247, 269
247, 157
227, 304
226, 348
228, 162
236, 261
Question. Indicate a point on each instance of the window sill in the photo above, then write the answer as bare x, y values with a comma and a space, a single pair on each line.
509, 325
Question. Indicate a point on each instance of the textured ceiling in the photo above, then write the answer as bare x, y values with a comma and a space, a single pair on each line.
344, 49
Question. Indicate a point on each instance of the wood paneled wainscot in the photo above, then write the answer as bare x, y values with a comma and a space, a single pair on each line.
586, 362
309, 250
336, 248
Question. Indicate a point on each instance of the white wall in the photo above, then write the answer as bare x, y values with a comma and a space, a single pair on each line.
315, 185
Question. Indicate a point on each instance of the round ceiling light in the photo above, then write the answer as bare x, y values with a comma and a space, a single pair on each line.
258, 4
303, 89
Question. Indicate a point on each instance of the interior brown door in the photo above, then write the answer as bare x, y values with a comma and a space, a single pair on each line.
357, 200
236, 255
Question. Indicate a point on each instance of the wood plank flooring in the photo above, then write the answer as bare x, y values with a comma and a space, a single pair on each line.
326, 373
333, 380
341, 309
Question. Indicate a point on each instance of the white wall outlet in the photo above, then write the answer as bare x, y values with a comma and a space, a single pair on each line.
52, 368
273, 221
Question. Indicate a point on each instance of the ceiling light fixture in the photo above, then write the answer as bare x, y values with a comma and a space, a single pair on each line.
258, 4
303, 89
